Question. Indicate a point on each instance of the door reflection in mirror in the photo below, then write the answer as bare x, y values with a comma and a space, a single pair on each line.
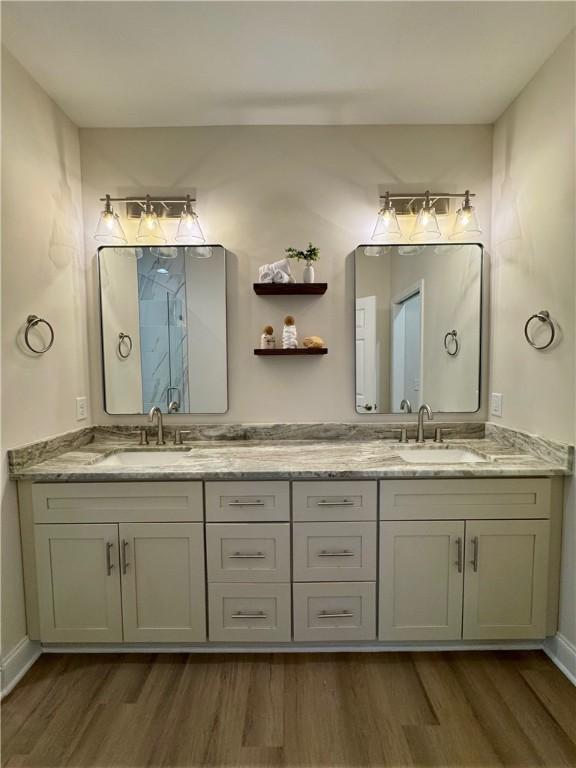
407, 298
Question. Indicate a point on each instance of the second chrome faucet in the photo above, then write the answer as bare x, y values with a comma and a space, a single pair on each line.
424, 409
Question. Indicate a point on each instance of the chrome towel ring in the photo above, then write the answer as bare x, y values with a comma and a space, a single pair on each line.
32, 321
544, 317
124, 341
451, 343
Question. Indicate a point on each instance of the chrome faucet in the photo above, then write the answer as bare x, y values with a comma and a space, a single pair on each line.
155, 411
424, 409
406, 404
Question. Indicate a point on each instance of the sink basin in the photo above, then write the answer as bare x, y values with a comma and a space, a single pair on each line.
142, 459
418, 455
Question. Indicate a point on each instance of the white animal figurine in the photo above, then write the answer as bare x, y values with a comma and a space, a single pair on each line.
289, 335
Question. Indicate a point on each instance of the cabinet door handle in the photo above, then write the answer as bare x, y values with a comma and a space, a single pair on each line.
475, 551
247, 556
337, 615
242, 615
343, 503
459, 561
237, 503
342, 553
109, 563
125, 562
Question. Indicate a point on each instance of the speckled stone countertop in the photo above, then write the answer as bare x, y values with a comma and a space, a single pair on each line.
273, 452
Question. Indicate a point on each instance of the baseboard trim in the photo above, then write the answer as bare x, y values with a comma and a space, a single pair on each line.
15, 665
562, 653
369, 647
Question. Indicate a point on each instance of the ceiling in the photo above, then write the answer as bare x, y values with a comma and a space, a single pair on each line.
148, 63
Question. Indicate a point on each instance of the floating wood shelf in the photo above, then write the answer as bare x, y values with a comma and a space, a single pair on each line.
290, 289
291, 352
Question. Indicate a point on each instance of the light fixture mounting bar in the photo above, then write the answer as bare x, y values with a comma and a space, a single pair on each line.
165, 207
407, 204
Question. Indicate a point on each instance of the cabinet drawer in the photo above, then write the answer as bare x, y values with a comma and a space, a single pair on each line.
465, 499
335, 612
249, 613
334, 551
247, 501
248, 552
173, 502
334, 500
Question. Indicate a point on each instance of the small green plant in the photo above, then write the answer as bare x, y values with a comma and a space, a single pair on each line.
312, 253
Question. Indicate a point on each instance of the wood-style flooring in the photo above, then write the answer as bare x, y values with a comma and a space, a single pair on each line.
333, 710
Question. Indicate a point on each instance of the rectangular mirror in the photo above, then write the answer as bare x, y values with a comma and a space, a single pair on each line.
418, 327
163, 313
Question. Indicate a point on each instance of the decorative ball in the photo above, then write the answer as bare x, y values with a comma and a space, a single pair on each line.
289, 320
268, 330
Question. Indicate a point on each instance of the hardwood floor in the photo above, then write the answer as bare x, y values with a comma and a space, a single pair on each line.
365, 709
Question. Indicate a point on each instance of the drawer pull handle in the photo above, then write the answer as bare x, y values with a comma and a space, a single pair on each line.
258, 615
109, 563
343, 503
238, 503
247, 556
337, 615
343, 553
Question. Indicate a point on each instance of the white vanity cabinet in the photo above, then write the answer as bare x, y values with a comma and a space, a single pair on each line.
323, 561
484, 569
249, 562
122, 580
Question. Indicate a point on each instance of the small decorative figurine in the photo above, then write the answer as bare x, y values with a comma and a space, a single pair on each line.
289, 335
311, 254
268, 340
314, 342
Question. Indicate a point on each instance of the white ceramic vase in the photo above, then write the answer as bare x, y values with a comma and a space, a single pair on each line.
308, 276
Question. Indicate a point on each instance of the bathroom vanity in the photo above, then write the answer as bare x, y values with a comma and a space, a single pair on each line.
351, 543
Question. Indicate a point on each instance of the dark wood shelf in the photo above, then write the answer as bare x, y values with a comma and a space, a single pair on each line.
290, 289
291, 352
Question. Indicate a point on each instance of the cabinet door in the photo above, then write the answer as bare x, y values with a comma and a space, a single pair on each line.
163, 582
421, 580
79, 583
506, 579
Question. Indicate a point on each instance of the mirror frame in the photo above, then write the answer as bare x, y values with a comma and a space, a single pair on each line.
101, 325
480, 330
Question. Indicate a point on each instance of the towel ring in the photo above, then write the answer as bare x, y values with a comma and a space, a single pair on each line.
124, 337
544, 317
33, 321
451, 338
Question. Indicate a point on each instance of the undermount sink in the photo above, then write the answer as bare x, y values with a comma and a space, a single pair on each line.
417, 455
142, 459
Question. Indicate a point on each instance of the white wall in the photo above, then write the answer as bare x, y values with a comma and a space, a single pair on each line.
533, 268
260, 190
42, 273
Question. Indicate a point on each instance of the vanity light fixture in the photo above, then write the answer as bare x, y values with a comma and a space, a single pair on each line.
426, 225
387, 222
466, 219
426, 206
189, 229
109, 227
152, 212
150, 227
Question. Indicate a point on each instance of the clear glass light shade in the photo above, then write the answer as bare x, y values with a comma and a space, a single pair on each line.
466, 222
109, 229
189, 229
426, 226
386, 224
150, 229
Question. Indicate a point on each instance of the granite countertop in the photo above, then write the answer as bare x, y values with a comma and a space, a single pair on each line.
288, 458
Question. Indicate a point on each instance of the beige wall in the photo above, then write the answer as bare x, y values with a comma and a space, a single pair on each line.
261, 189
533, 268
42, 273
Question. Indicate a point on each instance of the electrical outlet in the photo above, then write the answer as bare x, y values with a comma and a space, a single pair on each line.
81, 408
496, 404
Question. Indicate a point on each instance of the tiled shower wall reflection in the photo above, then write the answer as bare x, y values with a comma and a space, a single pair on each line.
163, 337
